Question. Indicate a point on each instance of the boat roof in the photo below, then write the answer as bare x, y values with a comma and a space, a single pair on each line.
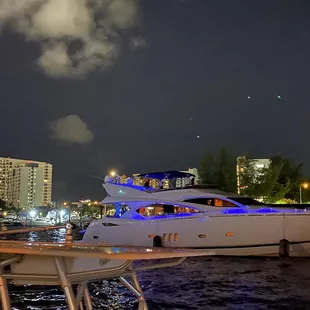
125, 191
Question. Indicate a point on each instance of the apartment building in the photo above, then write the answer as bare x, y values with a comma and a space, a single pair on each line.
25, 183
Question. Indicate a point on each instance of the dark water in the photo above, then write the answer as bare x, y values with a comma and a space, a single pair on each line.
203, 283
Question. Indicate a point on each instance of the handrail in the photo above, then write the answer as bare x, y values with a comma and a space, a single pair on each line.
27, 252
56, 244
109, 252
31, 229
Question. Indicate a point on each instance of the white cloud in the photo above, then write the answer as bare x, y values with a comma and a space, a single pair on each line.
93, 25
71, 129
137, 42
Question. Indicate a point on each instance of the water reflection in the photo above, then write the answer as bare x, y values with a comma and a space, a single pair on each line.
201, 283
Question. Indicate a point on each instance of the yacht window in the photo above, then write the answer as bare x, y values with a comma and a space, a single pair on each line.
247, 201
201, 201
212, 202
223, 203
116, 210
153, 210
182, 209
165, 209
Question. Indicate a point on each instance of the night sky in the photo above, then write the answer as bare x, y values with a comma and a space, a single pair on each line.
130, 85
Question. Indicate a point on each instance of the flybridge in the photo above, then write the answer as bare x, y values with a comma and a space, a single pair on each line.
151, 189
165, 181
163, 176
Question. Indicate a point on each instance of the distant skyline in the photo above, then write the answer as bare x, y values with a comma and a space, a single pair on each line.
151, 85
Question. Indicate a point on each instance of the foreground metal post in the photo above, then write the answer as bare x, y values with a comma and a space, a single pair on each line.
141, 299
130, 287
5, 298
80, 292
87, 299
69, 238
65, 283
136, 290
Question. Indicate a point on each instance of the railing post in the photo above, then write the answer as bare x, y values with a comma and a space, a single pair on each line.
141, 299
5, 298
65, 283
87, 299
69, 237
80, 292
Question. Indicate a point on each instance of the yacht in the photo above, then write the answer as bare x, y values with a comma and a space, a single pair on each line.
200, 219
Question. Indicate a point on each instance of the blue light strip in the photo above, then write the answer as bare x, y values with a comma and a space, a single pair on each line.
262, 210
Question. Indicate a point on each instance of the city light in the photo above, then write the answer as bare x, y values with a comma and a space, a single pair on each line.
305, 185
85, 201
113, 173
32, 213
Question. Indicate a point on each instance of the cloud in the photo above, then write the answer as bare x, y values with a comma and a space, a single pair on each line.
137, 42
76, 36
71, 129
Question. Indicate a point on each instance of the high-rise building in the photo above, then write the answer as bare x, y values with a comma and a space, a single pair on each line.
25, 183
195, 172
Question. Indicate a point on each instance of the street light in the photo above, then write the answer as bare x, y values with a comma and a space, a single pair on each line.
32, 213
302, 185
61, 215
112, 173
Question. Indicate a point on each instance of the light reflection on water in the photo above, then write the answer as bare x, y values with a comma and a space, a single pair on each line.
201, 283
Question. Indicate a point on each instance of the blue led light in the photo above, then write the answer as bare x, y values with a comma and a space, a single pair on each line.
117, 210
235, 211
267, 210
261, 210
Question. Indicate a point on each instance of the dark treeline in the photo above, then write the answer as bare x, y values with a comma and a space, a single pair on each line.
281, 181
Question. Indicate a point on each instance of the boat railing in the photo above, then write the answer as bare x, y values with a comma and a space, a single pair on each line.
19, 265
30, 229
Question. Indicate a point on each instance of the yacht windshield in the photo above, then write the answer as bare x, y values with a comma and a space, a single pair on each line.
246, 201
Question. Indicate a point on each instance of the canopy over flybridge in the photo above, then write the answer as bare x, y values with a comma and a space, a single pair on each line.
166, 181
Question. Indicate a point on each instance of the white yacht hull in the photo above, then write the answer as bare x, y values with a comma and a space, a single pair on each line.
233, 235
300, 250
